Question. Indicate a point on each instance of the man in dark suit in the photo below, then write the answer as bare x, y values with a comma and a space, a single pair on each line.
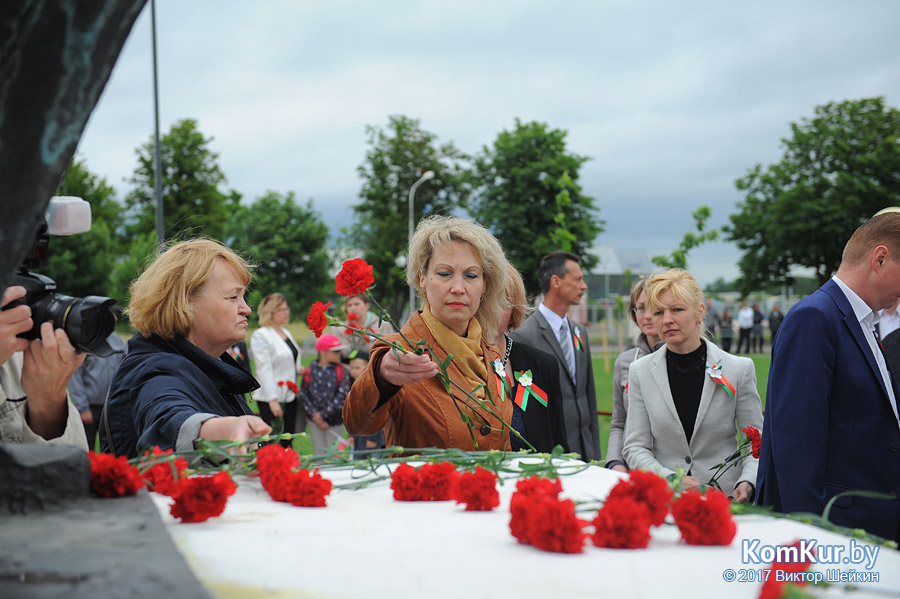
549, 329
831, 422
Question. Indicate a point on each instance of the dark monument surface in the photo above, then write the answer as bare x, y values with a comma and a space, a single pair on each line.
56, 541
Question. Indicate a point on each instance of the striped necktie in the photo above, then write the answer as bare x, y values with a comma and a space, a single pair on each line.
566, 346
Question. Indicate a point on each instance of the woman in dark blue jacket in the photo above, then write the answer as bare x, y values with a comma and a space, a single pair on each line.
178, 383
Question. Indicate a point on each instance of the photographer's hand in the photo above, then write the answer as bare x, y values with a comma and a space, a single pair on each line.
49, 364
13, 322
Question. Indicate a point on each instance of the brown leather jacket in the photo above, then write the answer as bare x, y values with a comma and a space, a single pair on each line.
422, 414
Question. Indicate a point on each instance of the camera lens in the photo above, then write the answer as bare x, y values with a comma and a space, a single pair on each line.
87, 322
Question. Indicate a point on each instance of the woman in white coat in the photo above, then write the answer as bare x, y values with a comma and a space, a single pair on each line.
277, 359
687, 401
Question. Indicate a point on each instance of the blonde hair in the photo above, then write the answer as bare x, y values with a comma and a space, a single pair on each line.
883, 229
683, 286
437, 231
269, 305
515, 293
161, 296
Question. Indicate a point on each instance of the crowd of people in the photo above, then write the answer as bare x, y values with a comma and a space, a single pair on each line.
519, 378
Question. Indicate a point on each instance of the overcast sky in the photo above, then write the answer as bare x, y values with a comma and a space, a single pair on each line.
672, 101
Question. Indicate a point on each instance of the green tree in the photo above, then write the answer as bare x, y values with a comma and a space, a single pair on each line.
193, 203
678, 258
527, 193
80, 264
137, 256
397, 157
286, 242
838, 169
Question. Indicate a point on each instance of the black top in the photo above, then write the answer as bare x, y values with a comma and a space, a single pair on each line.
292, 346
162, 383
686, 373
544, 426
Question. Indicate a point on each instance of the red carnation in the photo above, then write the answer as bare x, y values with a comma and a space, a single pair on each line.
355, 277
291, 385
199, 498
316, 319
704, 519
352, 317
622, 523
647, 489
113, 476
405, 484
527, 491
773, 588
307, 489
478, 490
553, 526
162, 475
437, 482
275, 465
755, 439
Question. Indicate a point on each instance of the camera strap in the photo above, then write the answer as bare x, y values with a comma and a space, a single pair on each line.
109, 437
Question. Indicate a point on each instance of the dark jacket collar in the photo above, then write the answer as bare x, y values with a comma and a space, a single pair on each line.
224, 372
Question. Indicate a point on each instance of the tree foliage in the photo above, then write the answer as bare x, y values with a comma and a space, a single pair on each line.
838, 169
398, 155
678, 258
81, 264
193, 203
286, 242
527, 193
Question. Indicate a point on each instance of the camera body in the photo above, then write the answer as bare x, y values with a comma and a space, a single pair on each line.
86, 321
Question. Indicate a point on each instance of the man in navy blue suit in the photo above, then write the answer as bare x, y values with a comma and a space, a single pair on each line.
831, 422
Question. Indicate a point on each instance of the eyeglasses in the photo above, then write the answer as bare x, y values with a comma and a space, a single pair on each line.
639, 309
283, 309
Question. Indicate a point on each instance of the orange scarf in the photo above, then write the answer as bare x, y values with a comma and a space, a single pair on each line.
466, 351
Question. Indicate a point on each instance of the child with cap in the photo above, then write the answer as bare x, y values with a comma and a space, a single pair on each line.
324, 389
358, 361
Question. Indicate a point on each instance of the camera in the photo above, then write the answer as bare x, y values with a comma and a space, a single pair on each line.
86, 321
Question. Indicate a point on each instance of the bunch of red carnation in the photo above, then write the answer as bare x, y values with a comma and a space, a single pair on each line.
773, 588
755, 439
355, 277
648, 490
478, 490
164, 473
198, 498
291, 385
538, 517
622, 523
430, 482
298, 487
316, 319
113, 476
704, 518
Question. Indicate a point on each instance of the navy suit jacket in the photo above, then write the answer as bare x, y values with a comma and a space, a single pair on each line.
829, 425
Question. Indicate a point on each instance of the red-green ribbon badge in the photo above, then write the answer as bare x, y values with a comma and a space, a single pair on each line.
576, 339
715, 373
504, 384
526, 389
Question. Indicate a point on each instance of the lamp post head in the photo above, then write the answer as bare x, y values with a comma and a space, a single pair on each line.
426, 176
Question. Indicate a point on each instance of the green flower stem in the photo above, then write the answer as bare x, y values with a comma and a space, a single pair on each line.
419, 348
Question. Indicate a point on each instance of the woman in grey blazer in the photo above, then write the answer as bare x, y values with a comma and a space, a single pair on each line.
646, 343
687, 401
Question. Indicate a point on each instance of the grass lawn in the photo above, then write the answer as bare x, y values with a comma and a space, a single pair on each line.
603, 386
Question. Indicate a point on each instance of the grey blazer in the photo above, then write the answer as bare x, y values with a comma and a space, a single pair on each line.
654, 437
579, 404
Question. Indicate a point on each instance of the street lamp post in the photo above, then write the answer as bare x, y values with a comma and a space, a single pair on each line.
412, 194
